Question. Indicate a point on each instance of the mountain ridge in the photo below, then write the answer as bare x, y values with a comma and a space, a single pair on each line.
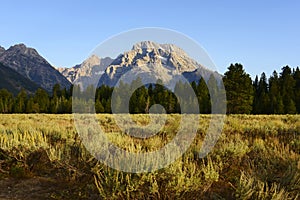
160, 61
146, 58
28, 63
88, 71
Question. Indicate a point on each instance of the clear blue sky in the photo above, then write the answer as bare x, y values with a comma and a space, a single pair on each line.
262, 35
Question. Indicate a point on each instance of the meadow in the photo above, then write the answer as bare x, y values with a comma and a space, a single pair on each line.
256, 157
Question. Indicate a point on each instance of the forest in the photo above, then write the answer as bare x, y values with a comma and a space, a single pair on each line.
278, 94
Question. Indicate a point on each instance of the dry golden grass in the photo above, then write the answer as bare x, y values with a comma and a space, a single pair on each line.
256, 157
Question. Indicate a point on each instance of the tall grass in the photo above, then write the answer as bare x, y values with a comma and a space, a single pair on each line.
256, 157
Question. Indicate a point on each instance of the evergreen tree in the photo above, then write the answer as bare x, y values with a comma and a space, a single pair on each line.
213, 91
276, 104
261, 101
172, 102
203, 97
41, 98
107, 107
133, 103
138, 99
29, 105
297, 89
255, 104
99, 107
142, 99
158, 92
239, 90
287, 83
179, 91
21, 101
56, 91
6, 101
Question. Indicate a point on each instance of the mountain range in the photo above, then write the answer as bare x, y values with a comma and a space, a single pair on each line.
161, 61
27, 63
23, 67
88, 71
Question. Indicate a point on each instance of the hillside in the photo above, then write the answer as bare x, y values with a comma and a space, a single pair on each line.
29, 64
14, 82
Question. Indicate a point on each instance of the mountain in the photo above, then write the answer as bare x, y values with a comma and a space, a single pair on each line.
88, 71
14, 82
2, 50
160, 61
28, 63
201, 72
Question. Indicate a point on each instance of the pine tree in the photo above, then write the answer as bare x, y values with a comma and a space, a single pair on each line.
158, 92
239, 90
6, 101
261, 104
179, 91
99, 107
213, 92
276, 104
287, 83
142, 99
297, 89
20, 102
41, 98
203, 97
29, 105
56, 92
255, 105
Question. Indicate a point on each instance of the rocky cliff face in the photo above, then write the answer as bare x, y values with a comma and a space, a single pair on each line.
88, 71
15, 82
2, 50
161, 61
28, 63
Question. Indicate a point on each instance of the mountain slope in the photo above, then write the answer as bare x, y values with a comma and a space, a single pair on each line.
14, 82
160, 61
88, 71
2, 50
28, 63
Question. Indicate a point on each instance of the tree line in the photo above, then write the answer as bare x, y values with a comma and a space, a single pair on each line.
278, 94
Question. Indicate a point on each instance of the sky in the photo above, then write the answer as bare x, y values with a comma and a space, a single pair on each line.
262, 35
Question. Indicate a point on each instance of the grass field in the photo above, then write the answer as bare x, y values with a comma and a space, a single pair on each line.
256, 157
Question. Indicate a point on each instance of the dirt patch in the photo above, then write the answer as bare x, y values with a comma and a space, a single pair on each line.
35, 176
42, 188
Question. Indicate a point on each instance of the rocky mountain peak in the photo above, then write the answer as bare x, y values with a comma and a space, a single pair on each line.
22, 49
164, 61
148, 52
27, 62
91, 61
88, 71
149, 45
146, 45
